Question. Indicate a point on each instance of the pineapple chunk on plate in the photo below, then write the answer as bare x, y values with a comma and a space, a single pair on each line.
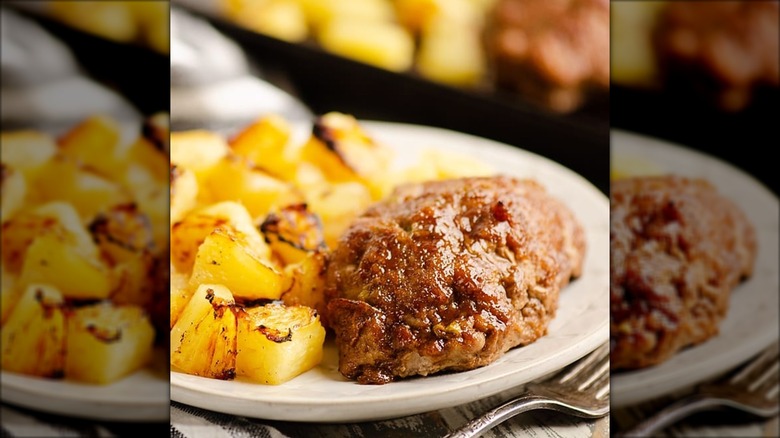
226, 257
277, 343
107, 342
203, 340
33, 336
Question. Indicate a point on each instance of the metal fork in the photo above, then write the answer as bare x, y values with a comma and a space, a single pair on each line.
581, 389
752, 388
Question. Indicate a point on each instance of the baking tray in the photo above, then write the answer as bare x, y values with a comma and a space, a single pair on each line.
326, 82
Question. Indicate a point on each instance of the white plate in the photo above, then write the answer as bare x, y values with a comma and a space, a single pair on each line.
141, 397
581, 324
752, 320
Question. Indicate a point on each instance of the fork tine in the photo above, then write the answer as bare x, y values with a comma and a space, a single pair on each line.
756, 367
767, 380
598, 354
603, 384
602, 370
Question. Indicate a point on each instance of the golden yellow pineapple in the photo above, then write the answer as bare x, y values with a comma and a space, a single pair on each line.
33, 336
26, 151
305, 282
52, 259
293, 232
107, 342
203, 340
235, 179
277, 343
188, 234
183, 192
226, 257
95, 143
264, 143
14, 191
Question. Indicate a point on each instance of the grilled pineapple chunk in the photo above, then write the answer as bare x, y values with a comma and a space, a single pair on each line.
346, 153
203, 340
59, 218
95, 143
51, 259
88, 191
183, 194
26, 150
181, 294
277, 343
337, 205
293, 232
264, 143
9, 294
14, 190
188, 234
33, 337
305, 282
197, 150
226, 257
106, 343
234, 179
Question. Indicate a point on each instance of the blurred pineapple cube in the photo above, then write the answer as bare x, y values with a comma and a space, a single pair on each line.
33, 336
59, 218
14, 192
9, 294
320, 13
451, 53
277, 343
95, 143
26, 151
107, 342
282, 19
381, 44
226, 257
89, 192
52, 259
203, 340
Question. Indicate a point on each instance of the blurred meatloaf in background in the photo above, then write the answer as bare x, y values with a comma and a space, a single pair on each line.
724, 50
449, 275
678, 249
553, 52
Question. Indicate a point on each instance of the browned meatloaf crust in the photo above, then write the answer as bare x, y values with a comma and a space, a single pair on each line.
554, 52
449, 275
723, 49
678, 248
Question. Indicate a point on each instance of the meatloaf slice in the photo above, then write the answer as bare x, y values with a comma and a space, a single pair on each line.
678, 248
449, 275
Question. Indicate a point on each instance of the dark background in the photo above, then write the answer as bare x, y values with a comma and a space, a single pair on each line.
745, 139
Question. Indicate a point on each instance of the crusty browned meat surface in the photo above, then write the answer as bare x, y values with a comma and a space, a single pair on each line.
449, 275
678, 248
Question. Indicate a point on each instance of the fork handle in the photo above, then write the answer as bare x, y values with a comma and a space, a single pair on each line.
672, 414
518, 405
